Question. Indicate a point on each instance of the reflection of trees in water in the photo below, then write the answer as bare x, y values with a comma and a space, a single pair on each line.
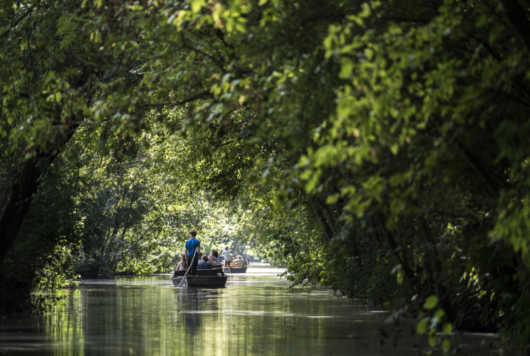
213, 299
193, 319
102, 315
192, 302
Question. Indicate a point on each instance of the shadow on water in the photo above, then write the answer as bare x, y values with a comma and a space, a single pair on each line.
256, 314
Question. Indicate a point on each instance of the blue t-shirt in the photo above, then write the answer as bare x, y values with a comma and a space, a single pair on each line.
204, 265
191, 245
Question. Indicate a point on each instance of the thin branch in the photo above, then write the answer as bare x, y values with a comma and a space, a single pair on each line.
85, 62
15, 24
185, 45
221, 36
145, 233
219, 64
406, 20
200, 95
227, 143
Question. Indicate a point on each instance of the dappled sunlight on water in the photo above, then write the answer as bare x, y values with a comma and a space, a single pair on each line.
256, 314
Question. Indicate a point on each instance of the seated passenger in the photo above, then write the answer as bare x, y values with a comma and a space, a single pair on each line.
240, 260
204, 264
213, 258
182, 266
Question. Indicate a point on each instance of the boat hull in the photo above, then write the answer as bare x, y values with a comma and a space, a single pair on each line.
235, 269
202, 281
201, 272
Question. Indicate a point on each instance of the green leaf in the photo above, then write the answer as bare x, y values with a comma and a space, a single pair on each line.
446, 345
332, 199
196, 5
432, 339
421, 328
448, 328
439, 314
430, 302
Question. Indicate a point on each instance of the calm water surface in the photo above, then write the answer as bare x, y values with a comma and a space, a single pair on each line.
256, 314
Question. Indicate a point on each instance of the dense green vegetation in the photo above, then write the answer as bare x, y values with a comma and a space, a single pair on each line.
378, 147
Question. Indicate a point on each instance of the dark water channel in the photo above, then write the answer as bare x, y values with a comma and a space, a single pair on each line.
256, 314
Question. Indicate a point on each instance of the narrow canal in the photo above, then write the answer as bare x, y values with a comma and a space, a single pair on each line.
256, 314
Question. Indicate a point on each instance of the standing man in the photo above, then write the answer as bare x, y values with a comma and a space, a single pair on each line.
227, 257
245, 258
193, 245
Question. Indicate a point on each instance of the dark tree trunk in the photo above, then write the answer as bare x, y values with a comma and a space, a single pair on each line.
27, 181
19, 202
436, 267
25, 186
328, 231
390, 238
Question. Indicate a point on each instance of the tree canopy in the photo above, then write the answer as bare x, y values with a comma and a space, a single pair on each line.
378, 147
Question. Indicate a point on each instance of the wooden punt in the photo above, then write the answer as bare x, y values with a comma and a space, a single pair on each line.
202, 281
207, 281
201, 272
235, 269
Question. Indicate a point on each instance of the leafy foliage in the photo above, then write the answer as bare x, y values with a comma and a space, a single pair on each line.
378, 147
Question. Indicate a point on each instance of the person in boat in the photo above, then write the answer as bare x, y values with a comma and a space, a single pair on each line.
226, 255
181, 266
193, 245
204, 264
245, 258
213, 258
240, 260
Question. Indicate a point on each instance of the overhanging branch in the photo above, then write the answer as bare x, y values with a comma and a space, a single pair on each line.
15, 24
516, 15
197, 96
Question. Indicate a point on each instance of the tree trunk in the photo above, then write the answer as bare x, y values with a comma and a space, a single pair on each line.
27, 181
25, 186
328, 231
19, 202
390, 238
436, 267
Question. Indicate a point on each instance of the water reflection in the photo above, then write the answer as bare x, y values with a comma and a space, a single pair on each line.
257, 314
